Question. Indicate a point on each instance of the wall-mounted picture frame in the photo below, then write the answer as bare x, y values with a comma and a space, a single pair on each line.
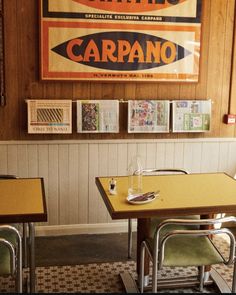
120, 41
191, 115
148, 116
97, 116
47, 116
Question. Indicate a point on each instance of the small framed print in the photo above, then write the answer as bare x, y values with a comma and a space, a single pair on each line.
191, 116
148, 116
97, 116
49, 116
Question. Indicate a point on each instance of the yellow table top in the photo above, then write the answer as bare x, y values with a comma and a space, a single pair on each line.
22, 200
203, 193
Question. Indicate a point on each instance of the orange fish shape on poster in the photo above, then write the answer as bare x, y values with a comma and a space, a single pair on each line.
130, 5
121, 51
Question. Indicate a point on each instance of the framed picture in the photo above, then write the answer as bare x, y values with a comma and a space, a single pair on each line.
49, 116
148, 116
97, 116
120, 40
191, 116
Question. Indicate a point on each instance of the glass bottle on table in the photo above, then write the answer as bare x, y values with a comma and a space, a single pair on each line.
135, 175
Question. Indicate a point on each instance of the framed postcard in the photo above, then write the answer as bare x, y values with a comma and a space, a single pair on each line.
97, 116
120, 40
148, 116
191, 116
49, 116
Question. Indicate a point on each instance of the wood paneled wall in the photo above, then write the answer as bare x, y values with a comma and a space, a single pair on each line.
217, 76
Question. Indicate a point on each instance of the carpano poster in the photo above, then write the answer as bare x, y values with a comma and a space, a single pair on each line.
117, 40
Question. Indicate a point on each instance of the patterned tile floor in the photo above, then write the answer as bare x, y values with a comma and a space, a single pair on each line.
101, 277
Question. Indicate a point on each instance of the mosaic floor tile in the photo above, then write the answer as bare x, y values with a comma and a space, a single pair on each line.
104, 277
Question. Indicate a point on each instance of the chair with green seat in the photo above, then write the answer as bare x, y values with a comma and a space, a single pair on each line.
154, 221
181, 242
11, 254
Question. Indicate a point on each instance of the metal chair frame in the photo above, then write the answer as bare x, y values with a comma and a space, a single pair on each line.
158, 253
15, 254
150, 171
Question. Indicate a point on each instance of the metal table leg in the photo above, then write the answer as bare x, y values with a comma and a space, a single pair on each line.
24, 246
129, 238
32, 257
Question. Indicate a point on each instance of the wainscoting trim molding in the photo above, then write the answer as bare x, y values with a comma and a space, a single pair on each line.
76, 229
99, 141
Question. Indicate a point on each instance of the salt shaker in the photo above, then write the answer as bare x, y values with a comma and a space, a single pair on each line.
112, 186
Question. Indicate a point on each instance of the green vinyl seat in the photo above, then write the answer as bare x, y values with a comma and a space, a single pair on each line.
187, 251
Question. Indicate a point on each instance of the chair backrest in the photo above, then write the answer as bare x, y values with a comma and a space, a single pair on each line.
185, 230
161, 171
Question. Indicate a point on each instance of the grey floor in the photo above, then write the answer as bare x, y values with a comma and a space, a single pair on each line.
82, 249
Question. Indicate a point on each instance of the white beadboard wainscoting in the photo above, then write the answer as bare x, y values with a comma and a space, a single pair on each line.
69, 169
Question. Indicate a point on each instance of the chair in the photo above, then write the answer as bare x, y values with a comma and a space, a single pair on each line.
11, 254
151, 171
185, 246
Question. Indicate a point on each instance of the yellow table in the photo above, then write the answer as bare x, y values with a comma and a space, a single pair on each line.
187, 194
23, 201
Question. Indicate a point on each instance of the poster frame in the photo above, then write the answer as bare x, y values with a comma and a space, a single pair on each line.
111, 72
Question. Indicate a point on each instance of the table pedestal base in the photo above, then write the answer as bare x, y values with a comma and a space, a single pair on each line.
129, 283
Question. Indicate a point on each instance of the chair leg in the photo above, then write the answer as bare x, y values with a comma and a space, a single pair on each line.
129, 238
19, 266
201, 277
154, 276
24, 246
19, 280
234, 279
141, 271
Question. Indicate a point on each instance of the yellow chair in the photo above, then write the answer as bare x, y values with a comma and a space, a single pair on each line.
181, 242
11, 254
152, 171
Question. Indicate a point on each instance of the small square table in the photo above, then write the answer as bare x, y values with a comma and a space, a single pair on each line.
23, 201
